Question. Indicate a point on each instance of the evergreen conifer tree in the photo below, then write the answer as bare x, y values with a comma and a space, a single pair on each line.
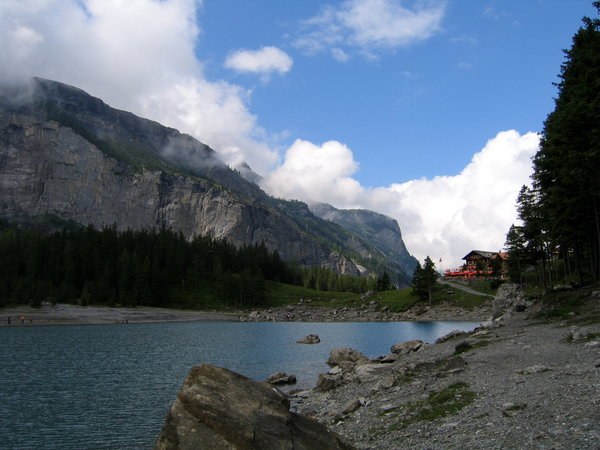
567, 166
425, 280
383, 282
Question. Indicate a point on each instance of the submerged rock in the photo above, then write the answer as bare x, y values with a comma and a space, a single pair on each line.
219, 409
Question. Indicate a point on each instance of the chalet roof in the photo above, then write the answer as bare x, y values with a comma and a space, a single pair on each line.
500, 255
480, 253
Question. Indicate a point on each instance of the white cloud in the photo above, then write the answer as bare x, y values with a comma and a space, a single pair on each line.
136, 55
339, 54
115, 48
265, 61
216, 113
490, 11
468, 39
472, 210
371, 24
313, 172
445, 217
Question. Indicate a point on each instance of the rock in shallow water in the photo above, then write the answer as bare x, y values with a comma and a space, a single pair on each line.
310, 339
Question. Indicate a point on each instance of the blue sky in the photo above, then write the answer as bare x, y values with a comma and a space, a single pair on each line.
425, 107
426, 111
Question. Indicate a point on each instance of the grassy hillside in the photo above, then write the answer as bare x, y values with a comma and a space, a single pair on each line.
402, 299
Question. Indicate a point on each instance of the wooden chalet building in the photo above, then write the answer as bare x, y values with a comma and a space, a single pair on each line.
478, 256
483, 259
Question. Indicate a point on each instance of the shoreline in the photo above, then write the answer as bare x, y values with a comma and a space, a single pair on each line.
442, 311
527, 383
64, 314
67, 314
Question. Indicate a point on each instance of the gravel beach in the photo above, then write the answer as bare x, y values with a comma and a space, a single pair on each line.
518, 384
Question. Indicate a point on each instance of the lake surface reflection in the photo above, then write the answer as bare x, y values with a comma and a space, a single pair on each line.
111, 386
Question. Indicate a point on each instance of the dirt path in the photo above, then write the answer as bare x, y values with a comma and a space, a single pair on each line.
463, 288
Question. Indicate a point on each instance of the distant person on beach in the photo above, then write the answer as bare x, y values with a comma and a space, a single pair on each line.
23, 319
9, 320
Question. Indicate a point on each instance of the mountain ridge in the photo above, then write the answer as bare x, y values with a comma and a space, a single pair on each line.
379, 229
68, 155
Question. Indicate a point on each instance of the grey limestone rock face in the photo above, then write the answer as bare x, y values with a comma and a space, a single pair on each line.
219, 409
509, 299
383, 231
48, 169
67, 156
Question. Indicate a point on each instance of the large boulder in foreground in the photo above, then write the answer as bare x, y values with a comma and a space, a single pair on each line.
219, 409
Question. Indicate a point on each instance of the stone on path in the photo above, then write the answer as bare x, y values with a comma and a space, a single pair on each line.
350, 406
537, 368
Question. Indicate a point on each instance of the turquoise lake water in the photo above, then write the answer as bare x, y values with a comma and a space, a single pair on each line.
111, 386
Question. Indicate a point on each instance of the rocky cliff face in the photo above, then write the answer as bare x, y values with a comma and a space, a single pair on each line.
48, 169
67, 155
380, 230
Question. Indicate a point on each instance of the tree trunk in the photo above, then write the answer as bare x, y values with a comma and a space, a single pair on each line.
578, 264
550, 282
597, 246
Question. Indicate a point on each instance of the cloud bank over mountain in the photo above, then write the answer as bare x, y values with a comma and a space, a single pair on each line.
137, 56
440, 217
141, 56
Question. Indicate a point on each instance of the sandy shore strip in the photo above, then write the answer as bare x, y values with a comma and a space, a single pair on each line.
63, 314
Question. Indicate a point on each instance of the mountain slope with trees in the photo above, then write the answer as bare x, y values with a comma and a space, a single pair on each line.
148, 268
67, 161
